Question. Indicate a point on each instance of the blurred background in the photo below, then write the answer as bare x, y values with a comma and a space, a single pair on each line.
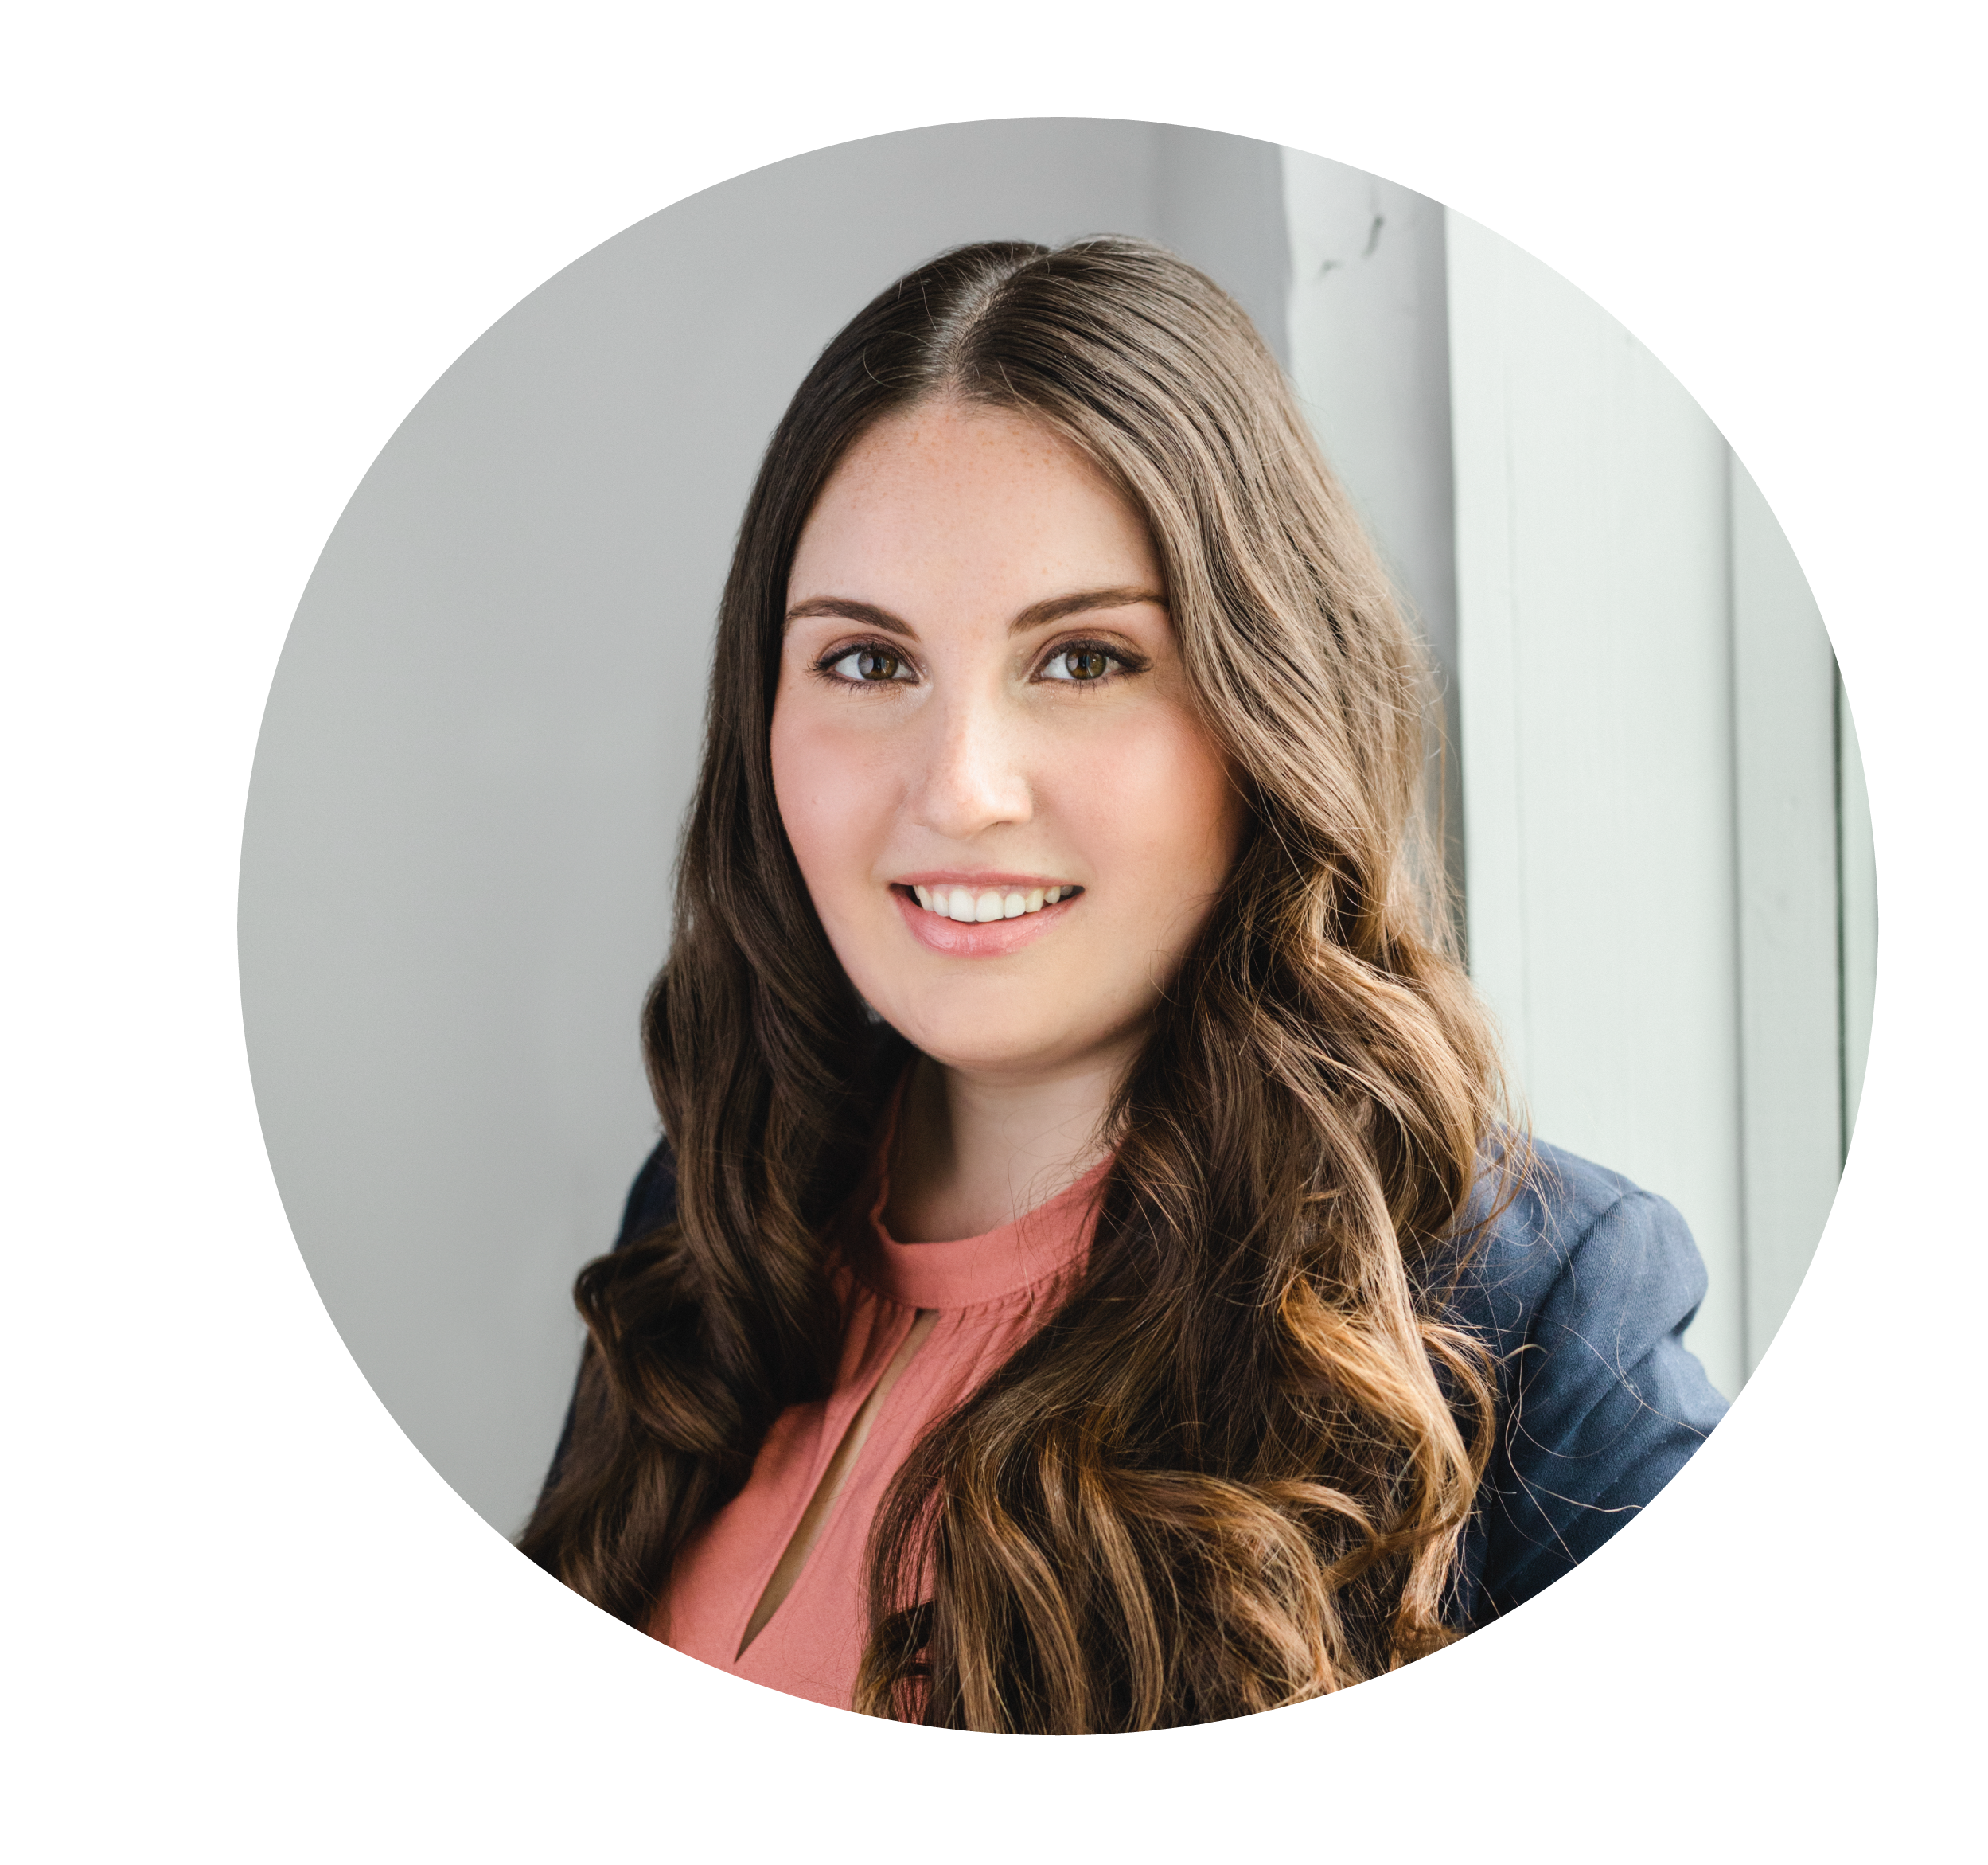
1717, 683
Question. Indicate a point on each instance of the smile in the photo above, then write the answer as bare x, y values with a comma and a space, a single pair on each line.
983, 915
971, 907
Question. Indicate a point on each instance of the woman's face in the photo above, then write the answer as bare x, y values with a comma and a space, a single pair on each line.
984, 747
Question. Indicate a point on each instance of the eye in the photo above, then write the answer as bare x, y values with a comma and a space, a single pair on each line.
871, 664
1080, 663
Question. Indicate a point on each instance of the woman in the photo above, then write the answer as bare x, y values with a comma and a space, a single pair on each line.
1085, 1284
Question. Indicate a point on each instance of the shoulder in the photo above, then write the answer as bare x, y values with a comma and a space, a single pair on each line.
1581, 1288
652, 1200
1573, 1237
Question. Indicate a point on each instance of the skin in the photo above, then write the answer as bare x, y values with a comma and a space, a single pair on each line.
927, 724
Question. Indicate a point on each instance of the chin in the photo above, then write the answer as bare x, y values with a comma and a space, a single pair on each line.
990, 1054
994, 1044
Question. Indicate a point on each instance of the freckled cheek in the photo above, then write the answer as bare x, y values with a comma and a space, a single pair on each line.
1157, 813
833, 802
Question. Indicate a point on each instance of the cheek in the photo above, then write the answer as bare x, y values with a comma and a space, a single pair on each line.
1157, 806
827, 792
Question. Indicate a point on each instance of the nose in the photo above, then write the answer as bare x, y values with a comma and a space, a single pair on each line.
975, 777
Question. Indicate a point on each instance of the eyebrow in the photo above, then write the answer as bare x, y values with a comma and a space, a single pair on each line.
1055, 608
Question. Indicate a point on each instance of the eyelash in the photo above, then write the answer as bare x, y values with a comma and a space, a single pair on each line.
1123, 662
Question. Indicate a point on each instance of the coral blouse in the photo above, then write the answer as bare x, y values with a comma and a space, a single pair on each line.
1581, 1288
958, 1310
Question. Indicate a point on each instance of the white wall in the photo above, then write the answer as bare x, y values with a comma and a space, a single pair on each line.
1595, 670
1797, 324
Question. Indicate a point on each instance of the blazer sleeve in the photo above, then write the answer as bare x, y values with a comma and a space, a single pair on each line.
1603, 1402
651, 1203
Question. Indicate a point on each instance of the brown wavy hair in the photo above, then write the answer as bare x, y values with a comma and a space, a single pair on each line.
1234, 1470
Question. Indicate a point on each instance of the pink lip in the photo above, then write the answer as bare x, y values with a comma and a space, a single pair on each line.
979, 881
958, 938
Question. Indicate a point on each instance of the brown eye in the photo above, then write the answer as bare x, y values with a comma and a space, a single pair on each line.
869, 666
1085, 663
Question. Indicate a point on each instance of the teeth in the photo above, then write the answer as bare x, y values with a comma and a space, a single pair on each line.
957, 903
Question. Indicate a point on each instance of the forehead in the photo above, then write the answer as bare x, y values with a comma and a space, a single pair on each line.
943, 497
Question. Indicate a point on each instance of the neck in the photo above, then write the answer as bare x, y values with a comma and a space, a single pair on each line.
974, 1152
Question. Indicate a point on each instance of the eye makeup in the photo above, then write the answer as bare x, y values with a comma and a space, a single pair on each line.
1082, 662
1119, 661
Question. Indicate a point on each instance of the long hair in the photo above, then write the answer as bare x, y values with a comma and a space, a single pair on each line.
1234, 1469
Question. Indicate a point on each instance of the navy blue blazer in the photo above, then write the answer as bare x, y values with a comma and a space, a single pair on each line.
1582, 1288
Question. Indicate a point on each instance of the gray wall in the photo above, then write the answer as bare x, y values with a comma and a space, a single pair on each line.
1369, 359
483, 728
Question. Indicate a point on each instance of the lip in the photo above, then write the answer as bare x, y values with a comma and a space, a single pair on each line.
979, 880
992, 938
